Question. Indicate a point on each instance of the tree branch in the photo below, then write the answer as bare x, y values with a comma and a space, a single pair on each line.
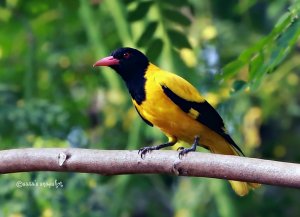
115, 162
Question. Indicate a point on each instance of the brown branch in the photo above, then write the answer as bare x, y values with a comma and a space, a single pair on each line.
108, 162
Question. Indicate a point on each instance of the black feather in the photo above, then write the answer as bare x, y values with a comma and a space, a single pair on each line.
132, 68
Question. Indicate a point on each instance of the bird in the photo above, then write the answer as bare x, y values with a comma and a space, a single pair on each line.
170, 103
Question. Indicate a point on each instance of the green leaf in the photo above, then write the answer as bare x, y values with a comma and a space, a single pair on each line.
246, 55
255, 66
257, 70
178, 39
276, 46
283, 23
231, 69
176, 17
283, 44
255, 83
154, 49
147, 34
140, 11
283, 19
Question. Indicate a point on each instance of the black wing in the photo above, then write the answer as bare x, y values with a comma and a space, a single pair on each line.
202, 112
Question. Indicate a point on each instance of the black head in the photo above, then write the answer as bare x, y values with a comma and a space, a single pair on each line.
128, 62
131, 64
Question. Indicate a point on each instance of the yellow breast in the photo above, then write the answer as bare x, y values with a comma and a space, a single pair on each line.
163, 113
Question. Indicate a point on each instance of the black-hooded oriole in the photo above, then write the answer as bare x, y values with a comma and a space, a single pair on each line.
172, 104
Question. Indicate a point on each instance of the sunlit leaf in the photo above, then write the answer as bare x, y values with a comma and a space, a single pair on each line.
5, 14
256, 66
283, 44
231, 69
257, 70
277, 44
247, 54
283, 19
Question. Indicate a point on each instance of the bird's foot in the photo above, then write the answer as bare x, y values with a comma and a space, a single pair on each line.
143, 151
180, 148
184, 151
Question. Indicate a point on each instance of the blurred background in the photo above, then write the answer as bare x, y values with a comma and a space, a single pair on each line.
243, 55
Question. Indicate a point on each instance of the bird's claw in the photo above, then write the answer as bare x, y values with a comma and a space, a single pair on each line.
183, 152
143, 151
180, 148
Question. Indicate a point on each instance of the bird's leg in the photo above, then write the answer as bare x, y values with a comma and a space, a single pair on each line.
203, 146
143, 151
184, 151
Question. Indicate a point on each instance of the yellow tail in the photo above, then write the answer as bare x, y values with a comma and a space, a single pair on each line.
241, 188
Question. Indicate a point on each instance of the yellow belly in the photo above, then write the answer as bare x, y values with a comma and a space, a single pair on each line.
177, 124
170, 119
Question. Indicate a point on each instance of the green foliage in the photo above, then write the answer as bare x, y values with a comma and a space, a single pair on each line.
147, 34
140, 11
155, 48
264, 56
50, 96
164, 24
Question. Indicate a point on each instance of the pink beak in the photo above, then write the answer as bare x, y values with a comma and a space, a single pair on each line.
107, 61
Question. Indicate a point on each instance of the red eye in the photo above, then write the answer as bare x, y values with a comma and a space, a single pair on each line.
126, 55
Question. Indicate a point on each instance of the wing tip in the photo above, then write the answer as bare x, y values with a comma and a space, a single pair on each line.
232, 143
